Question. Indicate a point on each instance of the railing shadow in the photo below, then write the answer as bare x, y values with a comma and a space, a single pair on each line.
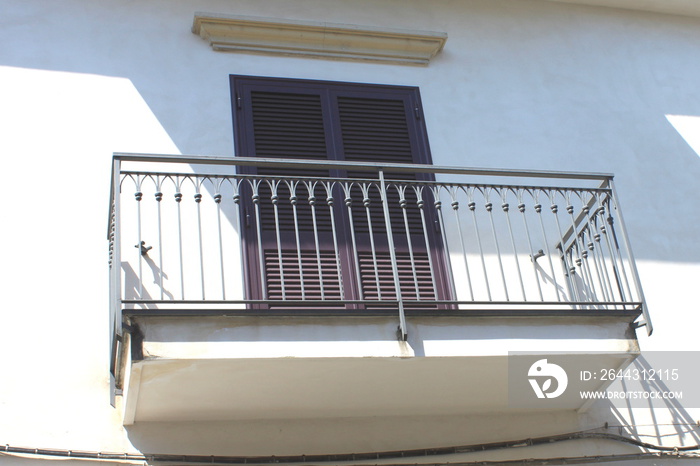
668, 420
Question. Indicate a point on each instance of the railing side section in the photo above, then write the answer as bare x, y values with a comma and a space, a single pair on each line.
114, 236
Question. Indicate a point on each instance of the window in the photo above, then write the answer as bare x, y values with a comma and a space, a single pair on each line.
306, 239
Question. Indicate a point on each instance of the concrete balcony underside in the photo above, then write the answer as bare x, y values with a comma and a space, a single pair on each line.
218, 370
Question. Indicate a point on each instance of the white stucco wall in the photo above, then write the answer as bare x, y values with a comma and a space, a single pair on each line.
521, 84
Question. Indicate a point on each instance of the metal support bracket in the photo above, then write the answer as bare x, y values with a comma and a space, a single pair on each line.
144, 248
537, 255
401, 333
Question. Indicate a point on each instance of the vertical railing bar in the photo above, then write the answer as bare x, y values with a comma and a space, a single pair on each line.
489, 209
178, 200
115, 292
630, 255
521, 208
402, 203
592, 232
421, 204
538, 210
600, 271
589, 246
571, 264
573, 269
472, 208
576, 237
217, 199
274, 199
392, 253
139, 244
311, 186
600, 255
588, 285
113, 268
589, 256
159, 198
506, 209
455, 209
437, 203
584, 294
116, 252
366, 202
618, 254
255, 185
329, 200
347, 189
573, 273
618, 268
568, 270
293, 200
236, 185
198, 200
611, 251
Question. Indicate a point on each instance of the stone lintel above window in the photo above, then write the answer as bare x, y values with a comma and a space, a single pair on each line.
248, 34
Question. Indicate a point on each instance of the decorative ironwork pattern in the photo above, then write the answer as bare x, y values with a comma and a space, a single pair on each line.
504, 246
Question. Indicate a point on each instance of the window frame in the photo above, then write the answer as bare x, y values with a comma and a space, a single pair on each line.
242, 88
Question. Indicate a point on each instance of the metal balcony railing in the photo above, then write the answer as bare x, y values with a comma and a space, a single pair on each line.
242, 236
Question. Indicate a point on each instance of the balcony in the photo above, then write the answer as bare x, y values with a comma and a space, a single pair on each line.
214, 260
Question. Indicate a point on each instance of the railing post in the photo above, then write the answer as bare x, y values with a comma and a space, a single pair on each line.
630, 257
115, 317
403, 335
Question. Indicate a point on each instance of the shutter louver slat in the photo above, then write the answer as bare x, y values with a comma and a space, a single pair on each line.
374, 130
377, 130
421, 265
290, 126
293, 278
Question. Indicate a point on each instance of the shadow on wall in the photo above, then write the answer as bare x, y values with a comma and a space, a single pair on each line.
646, 415
132, 285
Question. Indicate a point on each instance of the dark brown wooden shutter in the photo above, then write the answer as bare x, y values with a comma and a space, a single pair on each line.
374, 130
380, 130
377, 130
386, 276
312, 277
289, 126
277, 118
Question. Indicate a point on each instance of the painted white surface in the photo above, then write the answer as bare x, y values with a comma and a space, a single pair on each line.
688, 126
520, 84
673, 7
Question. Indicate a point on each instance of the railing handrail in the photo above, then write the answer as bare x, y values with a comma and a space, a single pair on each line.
362, 166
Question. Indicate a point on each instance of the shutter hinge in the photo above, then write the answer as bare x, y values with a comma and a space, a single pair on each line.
416, 111
238, 101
